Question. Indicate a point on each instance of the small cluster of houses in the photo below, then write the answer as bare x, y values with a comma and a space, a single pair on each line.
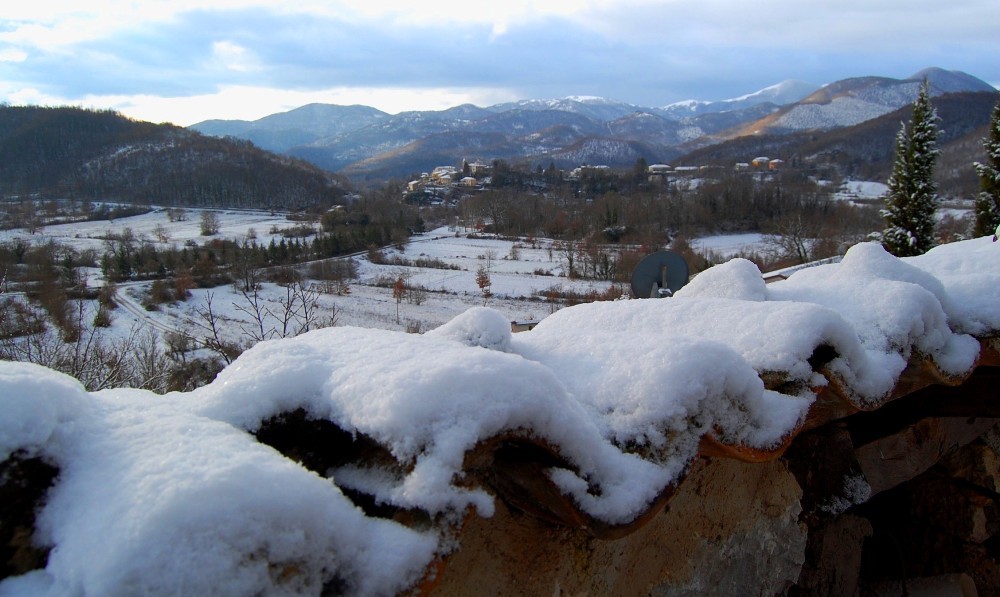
441, 180
663, 172
444, 183
761, 163
578, 173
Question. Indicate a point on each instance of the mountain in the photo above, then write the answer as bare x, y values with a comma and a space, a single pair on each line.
866, 151
596, 108
704, 126
301, 126
425, 153
364, 142
385, 135
951, 81
101, 155
390, 138
786, 92
650, 127
852, 101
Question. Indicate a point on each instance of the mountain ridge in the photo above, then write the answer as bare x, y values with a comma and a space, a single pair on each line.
355, 139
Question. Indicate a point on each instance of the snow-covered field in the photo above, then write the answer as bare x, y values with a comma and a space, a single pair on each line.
90, 235
729, 245
519, 273
861, 190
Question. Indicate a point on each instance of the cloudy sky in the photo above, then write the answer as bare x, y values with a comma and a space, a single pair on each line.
184, 61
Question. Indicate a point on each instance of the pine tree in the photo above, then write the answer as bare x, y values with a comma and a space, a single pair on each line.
988, 200
912, 199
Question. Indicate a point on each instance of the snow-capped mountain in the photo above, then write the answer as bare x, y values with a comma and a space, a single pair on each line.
786, 92
597, 108
367, 142
852, 101
951, 81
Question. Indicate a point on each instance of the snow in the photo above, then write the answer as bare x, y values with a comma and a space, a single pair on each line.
174, 494
969, 271
690, 104
839, 112
90, 235
36, 402
736, 279
517, 283
152, 499
478, 326
861, 189
729, 245
894, 307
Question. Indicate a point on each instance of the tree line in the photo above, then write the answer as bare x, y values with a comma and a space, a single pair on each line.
622, 212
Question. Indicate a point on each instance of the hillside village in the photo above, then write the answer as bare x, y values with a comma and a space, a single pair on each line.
445, 185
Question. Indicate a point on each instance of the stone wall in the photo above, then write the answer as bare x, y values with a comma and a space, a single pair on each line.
888, 503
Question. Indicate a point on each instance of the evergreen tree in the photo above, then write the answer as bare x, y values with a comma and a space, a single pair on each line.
912, 199
988, 200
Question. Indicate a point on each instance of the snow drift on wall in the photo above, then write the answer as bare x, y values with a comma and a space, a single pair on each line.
175, 494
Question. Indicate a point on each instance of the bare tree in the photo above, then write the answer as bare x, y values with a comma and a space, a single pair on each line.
161, 233
332, 318
152, 367
308, 307
209, 323
415, 294
209, 223
568, 250
287, 315
246, 266
31, 219
793, 238
398, 292
484, 283
176, 214
335, 274
253, 307
98, 363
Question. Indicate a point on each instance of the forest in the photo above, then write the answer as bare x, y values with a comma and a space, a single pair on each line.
62, 152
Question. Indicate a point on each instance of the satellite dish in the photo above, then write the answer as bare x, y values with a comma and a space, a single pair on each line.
659, 275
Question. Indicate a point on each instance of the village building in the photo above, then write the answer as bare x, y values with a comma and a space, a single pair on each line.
478, 169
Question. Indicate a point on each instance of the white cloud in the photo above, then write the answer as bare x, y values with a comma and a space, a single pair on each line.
234, 57
13, 55
27, 96
251, 103
145, 55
